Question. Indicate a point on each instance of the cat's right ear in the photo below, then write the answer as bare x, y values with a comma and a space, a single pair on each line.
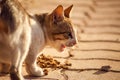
57, 14
67, 11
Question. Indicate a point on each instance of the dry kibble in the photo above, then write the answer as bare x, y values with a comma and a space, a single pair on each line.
105, 68
65, 67
49, 62
68, 64
45, 71
71, 55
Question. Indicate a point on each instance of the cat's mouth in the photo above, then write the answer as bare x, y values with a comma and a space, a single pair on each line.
62, 47
69, 44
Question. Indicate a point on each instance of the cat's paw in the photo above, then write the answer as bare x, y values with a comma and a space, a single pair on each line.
35, 71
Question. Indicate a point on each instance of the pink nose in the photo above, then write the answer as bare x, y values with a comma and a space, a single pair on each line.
73, 42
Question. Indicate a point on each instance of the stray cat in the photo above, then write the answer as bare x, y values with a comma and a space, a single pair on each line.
23, 36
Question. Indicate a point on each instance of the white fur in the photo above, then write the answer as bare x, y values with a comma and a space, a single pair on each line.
37, 44
14, 48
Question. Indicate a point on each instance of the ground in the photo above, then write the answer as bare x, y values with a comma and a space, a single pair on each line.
97, 54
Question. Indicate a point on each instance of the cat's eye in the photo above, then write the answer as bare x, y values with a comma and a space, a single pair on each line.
68, 35
62, 36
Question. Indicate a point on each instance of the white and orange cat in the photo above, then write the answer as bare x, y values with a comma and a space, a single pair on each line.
23, 37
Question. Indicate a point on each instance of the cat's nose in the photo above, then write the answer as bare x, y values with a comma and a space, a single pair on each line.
72, 43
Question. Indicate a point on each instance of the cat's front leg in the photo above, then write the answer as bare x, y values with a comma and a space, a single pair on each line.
16, 64
31, 66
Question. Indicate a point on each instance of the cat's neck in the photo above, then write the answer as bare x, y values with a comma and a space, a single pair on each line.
43, 20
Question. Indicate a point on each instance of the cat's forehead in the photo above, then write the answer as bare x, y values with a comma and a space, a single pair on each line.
64, 26
66, 23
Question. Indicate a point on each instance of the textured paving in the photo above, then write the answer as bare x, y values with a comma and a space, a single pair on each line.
98, 28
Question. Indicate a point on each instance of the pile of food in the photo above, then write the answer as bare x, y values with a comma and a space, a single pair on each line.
49, 62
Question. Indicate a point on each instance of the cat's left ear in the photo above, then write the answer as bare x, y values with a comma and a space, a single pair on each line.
67, 11
57, 14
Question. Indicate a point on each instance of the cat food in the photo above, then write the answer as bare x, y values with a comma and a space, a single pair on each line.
45, 71
49, 62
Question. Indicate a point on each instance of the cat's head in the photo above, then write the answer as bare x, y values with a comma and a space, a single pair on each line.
61, 30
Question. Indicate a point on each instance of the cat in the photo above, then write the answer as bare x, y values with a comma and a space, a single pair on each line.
24, 36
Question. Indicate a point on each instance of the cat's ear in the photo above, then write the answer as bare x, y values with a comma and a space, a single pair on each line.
57, 14
67, 11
